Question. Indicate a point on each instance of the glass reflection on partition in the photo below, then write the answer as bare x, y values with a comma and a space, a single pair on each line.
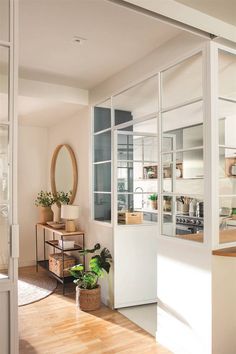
102, 207
4, 83
138, 101
102, 116
4, 202
227, 219
4, 20
178, 83
227, 147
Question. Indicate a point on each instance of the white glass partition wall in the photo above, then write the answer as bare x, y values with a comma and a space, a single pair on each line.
178, 119
227, 146
182, 200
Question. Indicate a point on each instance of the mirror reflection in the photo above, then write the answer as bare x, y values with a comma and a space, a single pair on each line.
64, 174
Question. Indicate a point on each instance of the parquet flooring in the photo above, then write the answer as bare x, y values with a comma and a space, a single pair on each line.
55, 325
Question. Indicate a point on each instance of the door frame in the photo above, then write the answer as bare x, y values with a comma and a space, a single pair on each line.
9, 285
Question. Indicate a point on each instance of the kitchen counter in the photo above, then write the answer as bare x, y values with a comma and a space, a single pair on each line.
226, 236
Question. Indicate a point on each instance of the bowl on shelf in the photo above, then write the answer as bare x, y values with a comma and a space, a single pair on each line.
56, 225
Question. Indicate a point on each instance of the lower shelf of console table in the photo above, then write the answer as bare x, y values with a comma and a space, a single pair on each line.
62, 251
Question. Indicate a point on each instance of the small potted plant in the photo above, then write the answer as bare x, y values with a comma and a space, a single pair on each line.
233, 213
61, 198
44, 201
88, 291
153, 200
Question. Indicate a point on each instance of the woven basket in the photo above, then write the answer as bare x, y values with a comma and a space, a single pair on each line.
88, 300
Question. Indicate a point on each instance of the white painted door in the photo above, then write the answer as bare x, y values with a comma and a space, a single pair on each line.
8, 149
135, 246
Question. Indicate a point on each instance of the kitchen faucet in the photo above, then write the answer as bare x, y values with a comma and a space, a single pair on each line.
143, 202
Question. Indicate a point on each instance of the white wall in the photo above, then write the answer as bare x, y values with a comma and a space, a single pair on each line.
75, 131
32, 177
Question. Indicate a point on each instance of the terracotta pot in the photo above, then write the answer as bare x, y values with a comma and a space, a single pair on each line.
45, 214
88, 300
154, 204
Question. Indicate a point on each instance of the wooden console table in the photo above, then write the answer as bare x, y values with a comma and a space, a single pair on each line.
54, 243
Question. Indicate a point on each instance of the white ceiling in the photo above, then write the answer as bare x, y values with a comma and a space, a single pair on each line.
116, 37
45, 113
224, 10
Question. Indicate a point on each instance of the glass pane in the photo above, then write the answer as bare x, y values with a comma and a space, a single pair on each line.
125, 202
102, 147
4, 203
227, 219
193, 164
227, 128
125, 176
227, 171
122, 116
138, 101
102, 177
102, 116
150, 148
183, 219
4, 20
138, 201
125, 146
226, 108
148, 126
178, 84
227, 74
102, 207
168, 224
4, 86
184, 125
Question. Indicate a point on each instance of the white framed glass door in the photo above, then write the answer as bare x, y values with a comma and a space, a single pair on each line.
135, 186
8, 182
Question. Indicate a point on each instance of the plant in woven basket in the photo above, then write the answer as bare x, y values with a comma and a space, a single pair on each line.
88, 295
44, 201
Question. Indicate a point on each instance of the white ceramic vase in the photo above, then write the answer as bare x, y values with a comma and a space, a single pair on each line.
56, 213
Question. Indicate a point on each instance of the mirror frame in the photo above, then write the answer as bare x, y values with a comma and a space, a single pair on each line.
74, 166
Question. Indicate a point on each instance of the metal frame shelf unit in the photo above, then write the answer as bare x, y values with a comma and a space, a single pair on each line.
55, 244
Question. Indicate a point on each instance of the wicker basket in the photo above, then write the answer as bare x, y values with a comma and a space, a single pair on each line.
88, 300
55, 264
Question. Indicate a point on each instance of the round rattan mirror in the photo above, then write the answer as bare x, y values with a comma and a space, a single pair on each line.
64, 173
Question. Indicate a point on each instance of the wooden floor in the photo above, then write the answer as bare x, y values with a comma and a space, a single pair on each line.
55, 326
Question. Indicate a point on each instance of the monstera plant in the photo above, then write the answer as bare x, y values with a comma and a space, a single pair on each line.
88, 291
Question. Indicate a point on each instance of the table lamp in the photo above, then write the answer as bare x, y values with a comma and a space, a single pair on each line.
70, 213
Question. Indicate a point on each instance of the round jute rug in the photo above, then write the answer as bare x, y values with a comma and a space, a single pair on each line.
34, 286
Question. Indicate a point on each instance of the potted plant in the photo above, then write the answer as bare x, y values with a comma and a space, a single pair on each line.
88, 291
153, 199
61, 198
44, 201
233, 213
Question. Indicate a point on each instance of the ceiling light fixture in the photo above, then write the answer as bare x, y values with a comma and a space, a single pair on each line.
79, 40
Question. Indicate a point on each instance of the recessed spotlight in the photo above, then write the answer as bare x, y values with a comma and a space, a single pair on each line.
79, 40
